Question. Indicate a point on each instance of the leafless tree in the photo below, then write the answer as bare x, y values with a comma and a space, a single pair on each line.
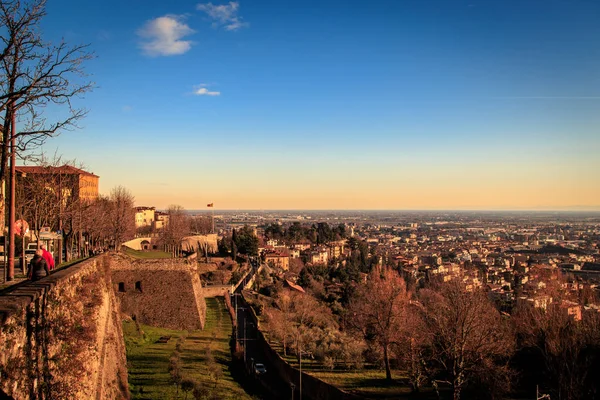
412, 347
97, 223
569, 347
200, 224
469, 338
121, 216
176, 228
34, 74
378, 311
47, 197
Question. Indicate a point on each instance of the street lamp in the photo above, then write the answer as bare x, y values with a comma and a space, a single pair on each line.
293, 387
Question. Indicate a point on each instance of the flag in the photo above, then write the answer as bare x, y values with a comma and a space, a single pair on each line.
210, 205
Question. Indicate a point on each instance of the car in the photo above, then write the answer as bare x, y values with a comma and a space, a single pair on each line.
29, 253
259, 369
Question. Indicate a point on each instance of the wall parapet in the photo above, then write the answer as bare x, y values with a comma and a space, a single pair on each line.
61, 337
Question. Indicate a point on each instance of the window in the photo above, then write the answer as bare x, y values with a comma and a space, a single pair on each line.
138, 286
121, 286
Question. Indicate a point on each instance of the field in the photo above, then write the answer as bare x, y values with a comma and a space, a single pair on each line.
148, 360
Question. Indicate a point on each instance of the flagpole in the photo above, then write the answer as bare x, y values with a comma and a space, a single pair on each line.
212, 216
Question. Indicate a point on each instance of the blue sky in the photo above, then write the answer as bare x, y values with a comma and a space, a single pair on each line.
340, 104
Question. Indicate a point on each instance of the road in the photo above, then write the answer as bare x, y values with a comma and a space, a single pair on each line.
271, 384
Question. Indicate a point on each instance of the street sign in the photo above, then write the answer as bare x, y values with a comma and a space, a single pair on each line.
49, 236
21, 227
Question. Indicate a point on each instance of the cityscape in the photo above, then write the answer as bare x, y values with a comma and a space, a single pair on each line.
299, 200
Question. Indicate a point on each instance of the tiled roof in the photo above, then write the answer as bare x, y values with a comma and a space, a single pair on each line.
65, 169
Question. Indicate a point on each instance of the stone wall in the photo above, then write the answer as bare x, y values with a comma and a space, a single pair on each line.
216, 290
192, 243
61, 337
165, 293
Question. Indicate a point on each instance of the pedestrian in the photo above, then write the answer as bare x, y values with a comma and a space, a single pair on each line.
48, 257
38, 268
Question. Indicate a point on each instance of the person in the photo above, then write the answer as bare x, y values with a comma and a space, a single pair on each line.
38, 268
48, 257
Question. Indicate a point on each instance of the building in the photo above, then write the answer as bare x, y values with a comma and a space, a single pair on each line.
278, 259
160, 219
319, 256
144, 216
336, 249
73, 183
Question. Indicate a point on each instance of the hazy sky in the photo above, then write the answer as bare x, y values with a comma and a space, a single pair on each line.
388, 104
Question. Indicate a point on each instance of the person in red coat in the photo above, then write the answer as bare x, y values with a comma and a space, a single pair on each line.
48, 257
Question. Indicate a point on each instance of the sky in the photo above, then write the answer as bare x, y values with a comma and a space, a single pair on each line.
323, 104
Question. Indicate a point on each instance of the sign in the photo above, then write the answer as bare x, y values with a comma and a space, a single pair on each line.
21, 227
49, 236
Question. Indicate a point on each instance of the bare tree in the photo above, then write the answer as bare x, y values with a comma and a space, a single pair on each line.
412, 348
378, 311
470, 339
121, 216
567, 346
176, 228
200, 224
97, 223
34, 74
38, 199
47, 196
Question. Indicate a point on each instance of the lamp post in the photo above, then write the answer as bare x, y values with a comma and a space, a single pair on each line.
293, 387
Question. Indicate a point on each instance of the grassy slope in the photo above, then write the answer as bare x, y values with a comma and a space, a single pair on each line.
148, 361
146, 254
368, 382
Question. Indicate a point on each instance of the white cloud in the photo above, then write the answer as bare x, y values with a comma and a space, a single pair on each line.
162, 36
201, 90
225, 15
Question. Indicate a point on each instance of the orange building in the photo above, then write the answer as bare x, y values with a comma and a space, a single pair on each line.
76, 183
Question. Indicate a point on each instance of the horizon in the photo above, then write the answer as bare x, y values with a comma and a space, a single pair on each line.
596, 210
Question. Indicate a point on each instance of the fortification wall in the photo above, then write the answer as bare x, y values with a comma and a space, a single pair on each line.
61, 337
164, 293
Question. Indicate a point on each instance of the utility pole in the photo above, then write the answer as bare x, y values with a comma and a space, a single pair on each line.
300, 385
11, 210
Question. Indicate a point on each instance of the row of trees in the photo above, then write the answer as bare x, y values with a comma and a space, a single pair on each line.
49, 198
444, 336
318, 234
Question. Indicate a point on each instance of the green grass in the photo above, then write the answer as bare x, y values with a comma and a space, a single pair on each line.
148, 361
369, 382
146, 254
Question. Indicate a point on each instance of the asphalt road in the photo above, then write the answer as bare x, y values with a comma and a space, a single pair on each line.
270, 384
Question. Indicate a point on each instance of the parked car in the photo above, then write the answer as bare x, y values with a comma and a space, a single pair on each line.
259, 369
29, 253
